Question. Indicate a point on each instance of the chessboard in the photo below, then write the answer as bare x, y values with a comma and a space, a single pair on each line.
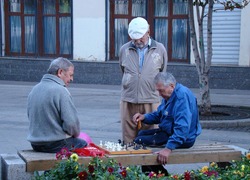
119, 149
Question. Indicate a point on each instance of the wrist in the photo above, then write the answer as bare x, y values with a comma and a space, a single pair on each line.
167, 149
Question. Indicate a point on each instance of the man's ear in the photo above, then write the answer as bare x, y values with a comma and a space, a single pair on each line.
172, 85
59, 73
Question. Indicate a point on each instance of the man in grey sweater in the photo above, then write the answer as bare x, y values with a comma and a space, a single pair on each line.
54, 122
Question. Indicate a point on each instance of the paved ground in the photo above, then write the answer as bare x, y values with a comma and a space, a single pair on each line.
98, 107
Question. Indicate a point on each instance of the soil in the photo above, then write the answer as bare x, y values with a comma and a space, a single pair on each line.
227, 113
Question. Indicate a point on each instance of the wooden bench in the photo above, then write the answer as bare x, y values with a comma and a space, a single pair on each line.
36, 161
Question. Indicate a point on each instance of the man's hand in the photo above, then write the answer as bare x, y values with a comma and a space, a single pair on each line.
163, 155
138, 117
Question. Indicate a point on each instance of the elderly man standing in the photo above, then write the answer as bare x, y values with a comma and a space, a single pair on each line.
54, 123
140, 60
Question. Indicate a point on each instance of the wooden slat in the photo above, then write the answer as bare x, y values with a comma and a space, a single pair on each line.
36, 161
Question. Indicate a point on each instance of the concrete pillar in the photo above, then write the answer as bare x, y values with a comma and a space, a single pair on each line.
13, 168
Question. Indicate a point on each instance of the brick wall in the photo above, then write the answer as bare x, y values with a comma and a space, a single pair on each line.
221, 77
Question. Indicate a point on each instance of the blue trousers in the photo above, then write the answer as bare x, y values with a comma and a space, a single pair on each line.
156, 137
55, 146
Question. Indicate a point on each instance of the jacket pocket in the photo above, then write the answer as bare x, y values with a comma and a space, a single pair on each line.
126, 80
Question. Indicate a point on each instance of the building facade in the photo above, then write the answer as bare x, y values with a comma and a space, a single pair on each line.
92, 31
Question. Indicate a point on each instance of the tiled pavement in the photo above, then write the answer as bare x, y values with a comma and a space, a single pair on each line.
98, 108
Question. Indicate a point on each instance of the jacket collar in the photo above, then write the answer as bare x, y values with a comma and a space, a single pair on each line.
177, 86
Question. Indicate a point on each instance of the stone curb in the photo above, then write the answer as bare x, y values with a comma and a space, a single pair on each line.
225, 123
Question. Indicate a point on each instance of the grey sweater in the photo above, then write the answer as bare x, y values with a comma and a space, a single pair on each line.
51, 111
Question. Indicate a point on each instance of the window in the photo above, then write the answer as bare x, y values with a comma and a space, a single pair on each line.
40, 28
168, 20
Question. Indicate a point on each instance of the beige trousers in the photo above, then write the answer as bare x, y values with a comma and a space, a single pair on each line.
128, 110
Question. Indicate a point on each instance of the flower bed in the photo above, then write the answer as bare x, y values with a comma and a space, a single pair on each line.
69, 168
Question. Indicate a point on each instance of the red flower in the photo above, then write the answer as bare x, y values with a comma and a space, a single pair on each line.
58, 155
68, 154
175, 176
123, 173
83, 175
151, 174
161, 175
110, 170
211, 173
187, 176
91, 168
64, 151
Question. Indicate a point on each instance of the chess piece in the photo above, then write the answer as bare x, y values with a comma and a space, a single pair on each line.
144, 147
139, 125
136, 147
126, 146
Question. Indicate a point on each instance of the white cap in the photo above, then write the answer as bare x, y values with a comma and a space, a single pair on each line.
137, 28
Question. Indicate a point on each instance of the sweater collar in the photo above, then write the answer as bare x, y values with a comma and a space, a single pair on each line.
54, 78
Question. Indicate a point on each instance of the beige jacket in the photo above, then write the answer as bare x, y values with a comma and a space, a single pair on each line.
139, 87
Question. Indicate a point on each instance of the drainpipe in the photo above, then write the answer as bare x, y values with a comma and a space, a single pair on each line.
2, 36
106, 30
1, 28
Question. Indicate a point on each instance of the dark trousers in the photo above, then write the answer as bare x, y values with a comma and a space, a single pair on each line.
151, 137
156, 137
56, 146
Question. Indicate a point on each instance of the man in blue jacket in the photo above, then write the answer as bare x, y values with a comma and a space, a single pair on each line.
177, 118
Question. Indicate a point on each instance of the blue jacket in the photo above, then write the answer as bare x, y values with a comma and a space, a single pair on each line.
178, 117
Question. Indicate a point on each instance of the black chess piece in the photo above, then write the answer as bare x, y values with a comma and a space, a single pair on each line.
140, 141
130, 144
136, 146
126, 146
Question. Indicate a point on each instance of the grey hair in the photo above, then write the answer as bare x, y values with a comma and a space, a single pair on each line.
165, 78
59, 63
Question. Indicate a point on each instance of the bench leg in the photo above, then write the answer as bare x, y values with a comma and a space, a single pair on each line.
223, 165
13, 168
